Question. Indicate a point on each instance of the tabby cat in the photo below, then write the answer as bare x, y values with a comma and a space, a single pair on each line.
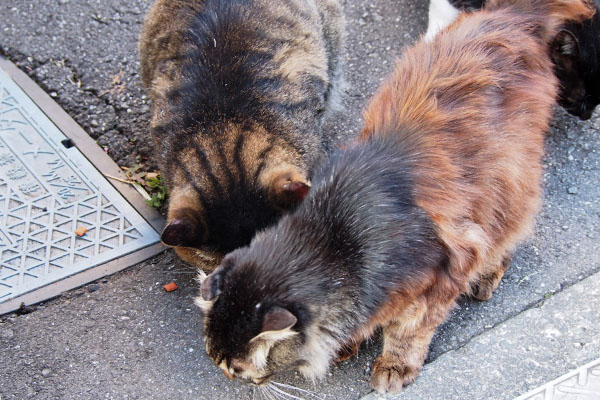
239, 90
575, 52
428, 205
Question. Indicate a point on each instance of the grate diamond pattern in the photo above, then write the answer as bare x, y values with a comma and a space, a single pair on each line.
47, 191
581, 384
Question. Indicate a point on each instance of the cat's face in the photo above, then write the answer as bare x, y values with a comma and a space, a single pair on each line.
223, 219
576, 54
249, 333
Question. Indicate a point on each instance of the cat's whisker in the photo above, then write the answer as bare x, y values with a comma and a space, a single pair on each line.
263, 393
269, 394
285, 394
259, 390
309, 392
272, 393
184, 272
275, 395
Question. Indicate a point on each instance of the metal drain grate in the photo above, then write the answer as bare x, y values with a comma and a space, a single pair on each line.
48, 189
581, 384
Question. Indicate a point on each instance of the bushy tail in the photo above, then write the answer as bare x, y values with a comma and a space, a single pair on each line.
549, 15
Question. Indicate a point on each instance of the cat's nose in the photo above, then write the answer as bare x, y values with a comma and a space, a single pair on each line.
259, 381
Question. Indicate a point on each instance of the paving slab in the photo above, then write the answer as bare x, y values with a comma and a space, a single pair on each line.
558, 335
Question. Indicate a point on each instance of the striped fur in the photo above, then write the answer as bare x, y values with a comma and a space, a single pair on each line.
239, 91
428, 205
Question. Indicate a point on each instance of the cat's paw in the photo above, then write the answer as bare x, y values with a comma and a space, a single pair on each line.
484, 287
482, 290
347, 351
390, 375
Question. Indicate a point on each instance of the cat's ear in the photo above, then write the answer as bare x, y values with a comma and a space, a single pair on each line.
184, 229
212, 286
277, 319
277, 325
565, 47
287, 186
205, 305
210, 289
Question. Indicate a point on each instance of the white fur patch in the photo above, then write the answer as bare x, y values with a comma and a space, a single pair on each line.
275, 336
260, 354
201, 276
266, 340
205, 305
441, 14
319, 350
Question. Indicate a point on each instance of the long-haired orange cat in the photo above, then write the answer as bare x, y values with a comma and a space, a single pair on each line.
429, 205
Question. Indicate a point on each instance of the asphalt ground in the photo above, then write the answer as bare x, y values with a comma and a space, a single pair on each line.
123, 336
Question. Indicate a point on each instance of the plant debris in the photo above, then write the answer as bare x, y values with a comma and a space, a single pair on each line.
148, 183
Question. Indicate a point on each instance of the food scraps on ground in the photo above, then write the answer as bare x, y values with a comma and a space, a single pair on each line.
169, 287
81, 231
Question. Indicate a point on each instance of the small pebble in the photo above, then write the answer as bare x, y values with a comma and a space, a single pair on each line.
93, 287
7, 334
46, 372
573, 190
88, 324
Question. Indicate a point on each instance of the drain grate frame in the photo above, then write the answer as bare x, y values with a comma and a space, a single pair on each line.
580, 384
51, 181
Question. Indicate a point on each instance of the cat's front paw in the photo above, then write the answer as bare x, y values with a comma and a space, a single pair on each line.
346, 352
482, 291
390, 375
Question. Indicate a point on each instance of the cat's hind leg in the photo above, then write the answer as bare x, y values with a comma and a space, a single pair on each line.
483, 288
